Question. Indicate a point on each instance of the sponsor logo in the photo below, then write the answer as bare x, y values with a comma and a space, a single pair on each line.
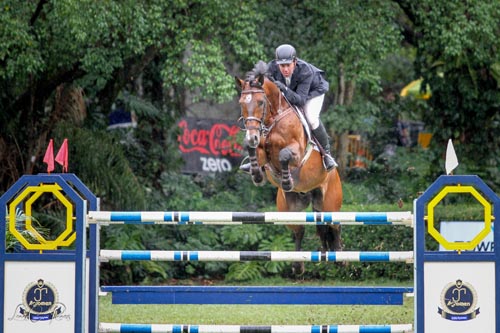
40, 302
209, 145
458, 301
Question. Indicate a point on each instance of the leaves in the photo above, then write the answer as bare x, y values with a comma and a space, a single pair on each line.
250, 270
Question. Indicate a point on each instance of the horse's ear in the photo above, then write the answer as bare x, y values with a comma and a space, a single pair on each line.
262, 77
239, 84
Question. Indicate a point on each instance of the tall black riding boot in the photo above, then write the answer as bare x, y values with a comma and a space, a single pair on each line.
322, 138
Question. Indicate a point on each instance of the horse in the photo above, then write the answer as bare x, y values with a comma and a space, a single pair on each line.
281, 151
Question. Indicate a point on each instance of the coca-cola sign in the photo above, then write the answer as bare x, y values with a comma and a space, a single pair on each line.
209, 145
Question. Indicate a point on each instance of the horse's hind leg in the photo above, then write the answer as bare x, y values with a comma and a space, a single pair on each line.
329, 235
294, 202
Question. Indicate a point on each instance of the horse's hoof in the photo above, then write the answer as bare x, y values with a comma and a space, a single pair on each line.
287, 187
298, 269
258, 179
342, 264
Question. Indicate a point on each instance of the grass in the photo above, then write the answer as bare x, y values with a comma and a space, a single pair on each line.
256, 314
262, 314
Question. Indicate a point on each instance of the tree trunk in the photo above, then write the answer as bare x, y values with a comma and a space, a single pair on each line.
345, 94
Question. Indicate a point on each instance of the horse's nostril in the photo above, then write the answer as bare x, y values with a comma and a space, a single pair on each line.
254, 142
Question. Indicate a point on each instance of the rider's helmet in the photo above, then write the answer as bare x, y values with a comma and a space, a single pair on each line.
285, 54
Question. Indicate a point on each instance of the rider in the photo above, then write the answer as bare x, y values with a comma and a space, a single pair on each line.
304, 86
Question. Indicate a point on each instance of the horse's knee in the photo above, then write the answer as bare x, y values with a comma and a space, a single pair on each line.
285, 156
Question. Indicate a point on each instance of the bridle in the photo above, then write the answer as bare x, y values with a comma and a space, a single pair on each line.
262, 128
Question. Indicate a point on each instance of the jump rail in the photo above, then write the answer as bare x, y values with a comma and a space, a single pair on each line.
293, 256
225, 218
122, 328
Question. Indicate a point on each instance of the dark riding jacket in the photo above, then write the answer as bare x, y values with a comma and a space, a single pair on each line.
307, 81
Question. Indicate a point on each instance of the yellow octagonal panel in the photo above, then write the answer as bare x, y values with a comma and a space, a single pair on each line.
459, 246
66, 238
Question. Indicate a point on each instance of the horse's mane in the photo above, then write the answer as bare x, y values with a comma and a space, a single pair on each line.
259, 69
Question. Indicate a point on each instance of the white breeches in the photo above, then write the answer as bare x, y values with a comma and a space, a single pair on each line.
312, 110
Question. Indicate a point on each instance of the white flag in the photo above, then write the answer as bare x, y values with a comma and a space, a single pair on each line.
451, 158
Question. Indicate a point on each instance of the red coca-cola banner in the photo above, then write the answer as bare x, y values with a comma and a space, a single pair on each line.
209, 145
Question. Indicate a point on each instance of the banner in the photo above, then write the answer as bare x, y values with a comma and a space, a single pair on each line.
209, 145
465, 231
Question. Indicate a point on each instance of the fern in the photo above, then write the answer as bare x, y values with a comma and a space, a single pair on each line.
244, 271
243, 237
11, 241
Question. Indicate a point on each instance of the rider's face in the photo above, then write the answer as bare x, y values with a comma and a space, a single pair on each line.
287, 69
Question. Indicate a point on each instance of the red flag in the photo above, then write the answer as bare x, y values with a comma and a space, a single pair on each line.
49, 156
62, 155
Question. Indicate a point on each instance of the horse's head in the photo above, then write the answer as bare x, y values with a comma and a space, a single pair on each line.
256, 102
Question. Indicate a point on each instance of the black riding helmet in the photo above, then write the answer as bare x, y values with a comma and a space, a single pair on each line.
285, 54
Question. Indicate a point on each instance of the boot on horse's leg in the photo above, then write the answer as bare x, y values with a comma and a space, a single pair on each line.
322, 138
246, 168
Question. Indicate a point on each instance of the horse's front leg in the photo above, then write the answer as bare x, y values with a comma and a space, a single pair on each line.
255, 169
287, 157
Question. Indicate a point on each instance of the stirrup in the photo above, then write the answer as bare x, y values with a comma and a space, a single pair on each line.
329, 162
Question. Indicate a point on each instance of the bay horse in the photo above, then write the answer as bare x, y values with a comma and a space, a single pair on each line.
281, 151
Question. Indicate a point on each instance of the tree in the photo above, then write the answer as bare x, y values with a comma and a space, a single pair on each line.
347, 39
93, 50
457, 54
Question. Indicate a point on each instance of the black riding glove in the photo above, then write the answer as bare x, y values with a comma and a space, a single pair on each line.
280, 85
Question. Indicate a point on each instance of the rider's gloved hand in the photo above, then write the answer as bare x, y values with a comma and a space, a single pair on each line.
280, 85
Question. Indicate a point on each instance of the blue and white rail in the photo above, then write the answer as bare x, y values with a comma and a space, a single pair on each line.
122, 328
292, 256
222, 218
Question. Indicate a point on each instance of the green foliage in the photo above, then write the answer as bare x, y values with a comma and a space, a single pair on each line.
351, 36
457, 52
250, 270
12, 243
104, 168
394, 175
104, 48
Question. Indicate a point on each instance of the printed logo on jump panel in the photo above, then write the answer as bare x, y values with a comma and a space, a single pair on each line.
40, 302
458, 301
